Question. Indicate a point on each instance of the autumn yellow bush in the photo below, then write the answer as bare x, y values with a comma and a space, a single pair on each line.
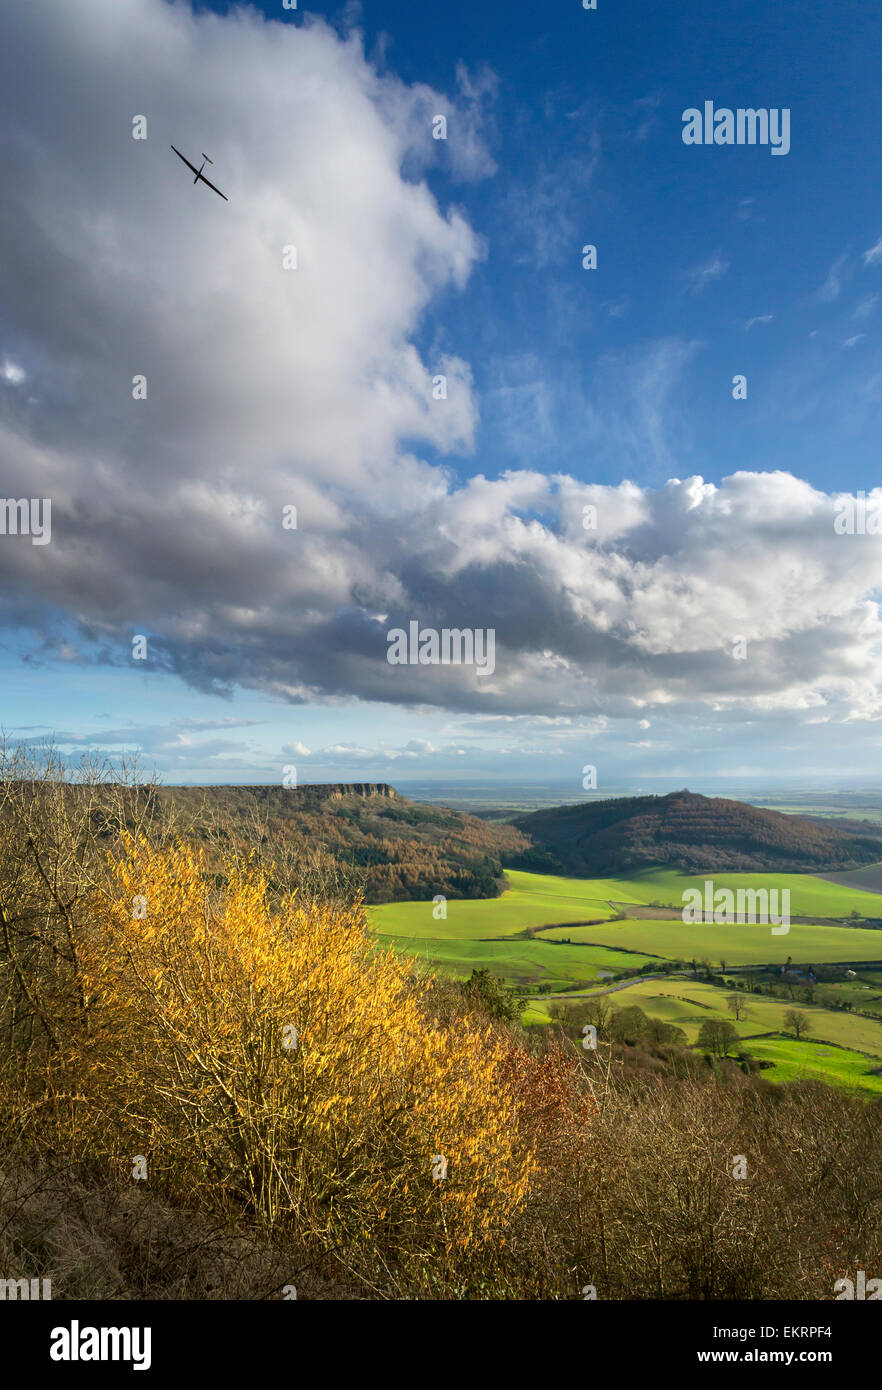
273, 1061
303, 1108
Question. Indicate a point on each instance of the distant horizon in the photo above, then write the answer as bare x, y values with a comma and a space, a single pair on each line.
525, 794
778, 784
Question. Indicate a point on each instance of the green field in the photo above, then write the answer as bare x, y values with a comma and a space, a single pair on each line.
740, 944
532, 900
808, 1061
809, 896
531, 935
860, 994
539, 900
840, 1049
520, 962
688, 1003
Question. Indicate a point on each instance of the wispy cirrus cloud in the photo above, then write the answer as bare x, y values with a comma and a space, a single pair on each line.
832, 286
700, 276
873, 255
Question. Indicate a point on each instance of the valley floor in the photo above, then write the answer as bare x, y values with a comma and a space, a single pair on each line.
548, 936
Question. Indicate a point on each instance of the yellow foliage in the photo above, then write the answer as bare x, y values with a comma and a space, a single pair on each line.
331, 1127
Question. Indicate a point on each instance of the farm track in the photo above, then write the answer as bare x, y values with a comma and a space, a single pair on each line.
610, 989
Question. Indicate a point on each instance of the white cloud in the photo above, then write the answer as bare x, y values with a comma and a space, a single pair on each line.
298, 750
702, 275
874, 254
833, 283
268, 388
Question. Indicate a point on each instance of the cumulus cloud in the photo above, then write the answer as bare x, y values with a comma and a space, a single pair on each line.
270, 388
266, 387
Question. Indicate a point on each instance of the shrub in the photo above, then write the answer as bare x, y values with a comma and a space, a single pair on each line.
175, 1048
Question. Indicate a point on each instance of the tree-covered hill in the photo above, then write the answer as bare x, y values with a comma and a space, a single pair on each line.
686, 831
397, 849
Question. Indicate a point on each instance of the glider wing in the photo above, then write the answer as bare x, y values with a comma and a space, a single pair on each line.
217, 190
186, 161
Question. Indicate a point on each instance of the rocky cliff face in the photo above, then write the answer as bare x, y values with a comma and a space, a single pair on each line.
318, 793
336, 790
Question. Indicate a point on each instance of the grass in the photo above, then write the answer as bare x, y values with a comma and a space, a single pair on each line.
809, 896
861, 994
739, 944
534, 1014
504, 935
532, 900
689, 1003
537, 900
800, 1061
519, 962
841, 1050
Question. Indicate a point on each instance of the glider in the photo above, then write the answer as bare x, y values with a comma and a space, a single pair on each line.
199, 174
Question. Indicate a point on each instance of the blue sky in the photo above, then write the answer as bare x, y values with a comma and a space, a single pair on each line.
693, 244
567, 387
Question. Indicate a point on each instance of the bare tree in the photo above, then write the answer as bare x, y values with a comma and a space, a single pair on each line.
736, 1005
797, 1023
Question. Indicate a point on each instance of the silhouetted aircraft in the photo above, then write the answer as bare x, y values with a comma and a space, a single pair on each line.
199, 174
